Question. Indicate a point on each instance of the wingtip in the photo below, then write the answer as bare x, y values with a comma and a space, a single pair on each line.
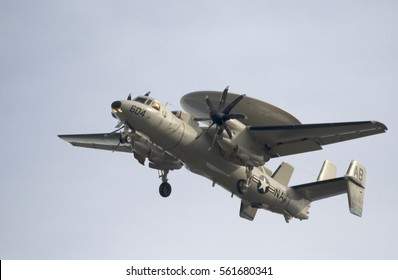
381, 125
63, 137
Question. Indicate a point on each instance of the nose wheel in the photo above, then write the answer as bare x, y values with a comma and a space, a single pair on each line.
165, 187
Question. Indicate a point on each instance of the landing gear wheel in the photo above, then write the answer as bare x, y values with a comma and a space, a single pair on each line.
165, 189
241, 186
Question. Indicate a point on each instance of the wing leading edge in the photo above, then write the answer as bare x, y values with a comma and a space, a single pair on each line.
282, 140
100, 141
141, 148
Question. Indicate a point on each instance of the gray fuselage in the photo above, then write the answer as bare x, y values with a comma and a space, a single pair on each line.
177, 134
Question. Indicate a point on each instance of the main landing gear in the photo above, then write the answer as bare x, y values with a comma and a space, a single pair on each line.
165, 187
243, 185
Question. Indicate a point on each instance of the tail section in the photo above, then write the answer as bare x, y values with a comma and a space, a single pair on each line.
356, 175
328, 171
327, 185
247, 211
283, 173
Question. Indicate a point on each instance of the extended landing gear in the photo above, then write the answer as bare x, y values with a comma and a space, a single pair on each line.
164, 188
243, 185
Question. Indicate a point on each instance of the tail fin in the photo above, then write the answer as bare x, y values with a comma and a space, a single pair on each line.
328, 171
283, 173
356, 175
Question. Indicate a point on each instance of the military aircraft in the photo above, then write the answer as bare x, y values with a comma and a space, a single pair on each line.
243, 134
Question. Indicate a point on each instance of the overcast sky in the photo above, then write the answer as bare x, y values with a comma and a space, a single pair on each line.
62, 63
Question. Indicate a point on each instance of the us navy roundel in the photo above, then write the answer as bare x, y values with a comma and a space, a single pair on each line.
263, 185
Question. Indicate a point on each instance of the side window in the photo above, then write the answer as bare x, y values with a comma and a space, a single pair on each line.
156, 105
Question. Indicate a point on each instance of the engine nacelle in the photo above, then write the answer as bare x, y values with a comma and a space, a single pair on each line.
158, 159
239, 154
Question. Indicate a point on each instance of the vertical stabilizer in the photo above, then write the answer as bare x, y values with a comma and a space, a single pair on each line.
328, 171
283, 173
356, 175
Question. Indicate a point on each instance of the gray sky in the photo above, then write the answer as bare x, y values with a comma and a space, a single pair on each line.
62, 63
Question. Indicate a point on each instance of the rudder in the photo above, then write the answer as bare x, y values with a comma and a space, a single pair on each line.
356, 175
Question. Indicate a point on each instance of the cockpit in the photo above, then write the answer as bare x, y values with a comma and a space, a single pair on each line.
148, 101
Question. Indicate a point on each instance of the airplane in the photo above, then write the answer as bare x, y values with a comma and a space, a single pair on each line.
241, 135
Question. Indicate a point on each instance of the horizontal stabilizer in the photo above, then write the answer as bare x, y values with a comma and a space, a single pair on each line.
352, 183
322, 189
247, 211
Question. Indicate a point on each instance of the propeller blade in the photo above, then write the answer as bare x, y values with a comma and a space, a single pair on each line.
210, 105
233, 104
228, 131
114, 132
237, 116
119, 124
202, 119
214, 140
204, 132
117, 146
221, 105
220, 115
198, 136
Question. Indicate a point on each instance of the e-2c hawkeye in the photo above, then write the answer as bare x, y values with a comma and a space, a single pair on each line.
243, 134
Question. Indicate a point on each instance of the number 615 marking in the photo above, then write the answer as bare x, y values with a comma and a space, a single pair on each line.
138, 111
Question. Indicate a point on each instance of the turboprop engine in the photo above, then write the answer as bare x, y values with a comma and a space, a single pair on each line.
158, 159
237, 153
230, 135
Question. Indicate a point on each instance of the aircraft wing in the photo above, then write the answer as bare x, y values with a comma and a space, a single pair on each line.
141, 148
100, 141
282, 140
322, 189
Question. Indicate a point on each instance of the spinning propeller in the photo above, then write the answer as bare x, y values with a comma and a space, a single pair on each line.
219, 115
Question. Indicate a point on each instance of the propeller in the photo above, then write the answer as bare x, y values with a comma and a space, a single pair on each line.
221, 114
119, 126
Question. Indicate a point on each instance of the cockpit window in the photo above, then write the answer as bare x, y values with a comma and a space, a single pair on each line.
156, 105
141, 99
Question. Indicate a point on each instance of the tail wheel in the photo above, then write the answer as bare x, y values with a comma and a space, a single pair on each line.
165, 189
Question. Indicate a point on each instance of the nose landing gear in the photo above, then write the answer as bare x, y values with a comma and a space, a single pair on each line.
165, 187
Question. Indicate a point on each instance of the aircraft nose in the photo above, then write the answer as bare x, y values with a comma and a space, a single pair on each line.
116, 105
